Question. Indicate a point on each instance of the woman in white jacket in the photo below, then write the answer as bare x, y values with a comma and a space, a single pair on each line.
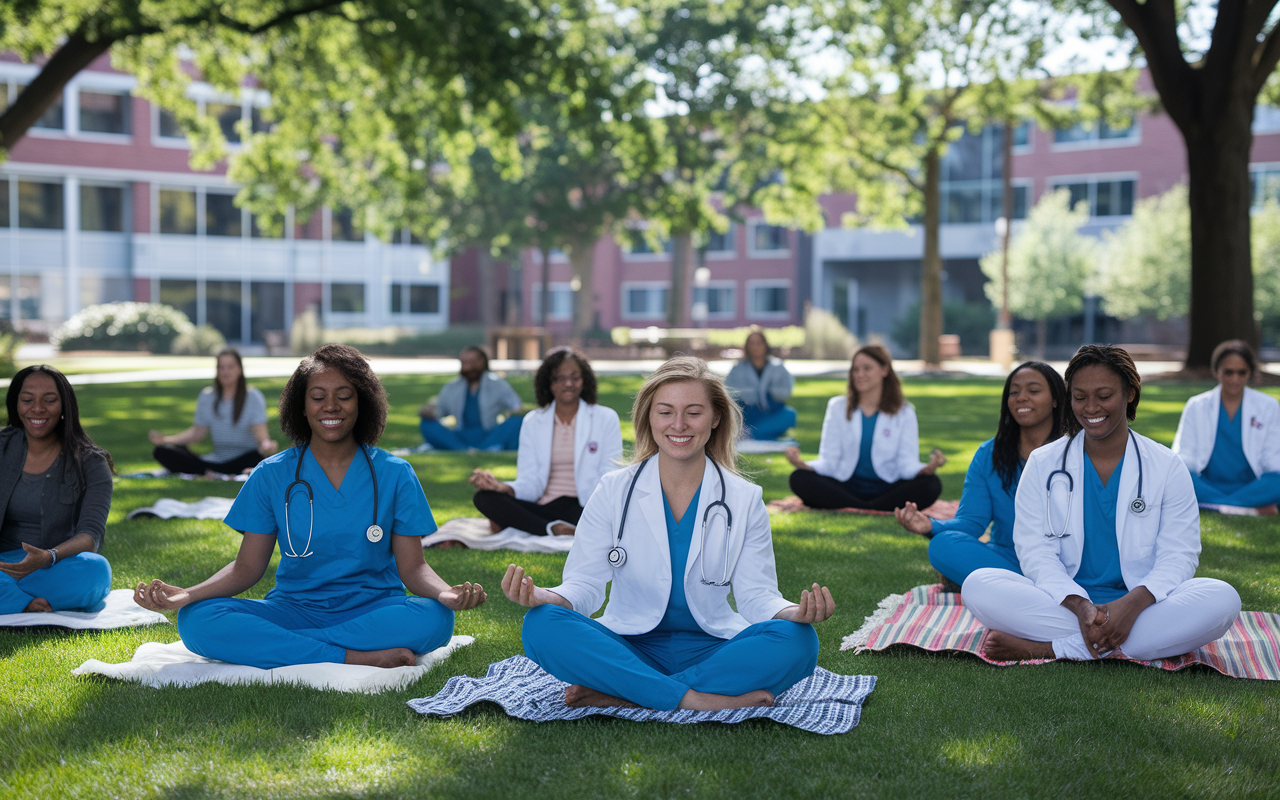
674, 533
1108, 538
1229, 437
869, 453
566, 446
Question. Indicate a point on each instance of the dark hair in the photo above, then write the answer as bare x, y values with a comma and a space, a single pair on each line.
551, 363
756, 330
891, 399
1234, 347
371, 397
76, 444
1117, 360
241, 389
1004, 451
475, 348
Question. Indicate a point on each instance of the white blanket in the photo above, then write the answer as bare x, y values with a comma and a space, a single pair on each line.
156, 665
764, 446
474, 533
120, 612
204, 508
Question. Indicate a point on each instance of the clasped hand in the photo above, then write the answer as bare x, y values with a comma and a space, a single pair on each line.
1106, 627
815, 606
36, 558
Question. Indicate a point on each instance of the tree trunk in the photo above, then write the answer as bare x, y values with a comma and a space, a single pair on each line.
931, 265
75, 54
678, 296
1006, 174
580, 259
545, 299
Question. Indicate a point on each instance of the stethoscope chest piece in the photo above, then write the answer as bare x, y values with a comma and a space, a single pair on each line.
617, 557
374, 533
1138, 506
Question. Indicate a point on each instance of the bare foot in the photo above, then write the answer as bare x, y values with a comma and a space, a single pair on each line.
38, 606
1268, 511
562, 529
701, 701
450, 544
579, 696
392, 657
1000, 646
494, 527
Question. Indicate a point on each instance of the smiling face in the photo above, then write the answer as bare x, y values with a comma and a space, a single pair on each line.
472, 365
867, 373
228, 373
332, 406
1233, 374
682, 419
39, 406
1030, 401
566, 382
1098, 400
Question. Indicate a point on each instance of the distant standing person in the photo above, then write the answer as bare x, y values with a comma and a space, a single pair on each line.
475, 399
762, 386
233, 414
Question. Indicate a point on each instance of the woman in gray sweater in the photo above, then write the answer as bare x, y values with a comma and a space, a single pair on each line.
55, 492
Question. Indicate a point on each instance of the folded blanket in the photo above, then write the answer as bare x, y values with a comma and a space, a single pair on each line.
156, 665
168, 508
822, 703
764, 446
475, 534
941, 510
161, 472
931, 619
119, 611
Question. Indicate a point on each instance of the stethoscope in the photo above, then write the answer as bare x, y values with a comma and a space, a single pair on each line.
618, 556
373, 533
1137, 505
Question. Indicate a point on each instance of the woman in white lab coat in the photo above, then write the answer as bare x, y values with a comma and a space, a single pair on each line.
1108, 538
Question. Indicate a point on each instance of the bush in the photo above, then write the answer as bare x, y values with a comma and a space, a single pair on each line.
10, 341
306, 334
205, 340
825, 337
122, 326
972, 322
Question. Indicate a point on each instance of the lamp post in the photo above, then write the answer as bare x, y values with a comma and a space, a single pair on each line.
1001, 339
700, 309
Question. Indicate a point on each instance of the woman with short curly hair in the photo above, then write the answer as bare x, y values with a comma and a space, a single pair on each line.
348, 518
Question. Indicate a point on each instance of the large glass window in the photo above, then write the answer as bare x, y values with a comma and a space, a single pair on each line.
345, 227
53, 118
222, 304
769, 300
178, 211
169, 128
1097, 131
424, 298
226, 115
221, 216
720, 242
4, 203
181, 294
104, 112
719, 300
1104, 198
346, 298
101, 208
260, 231
648, 302
28, 296
266, 311
769, 237
39, 205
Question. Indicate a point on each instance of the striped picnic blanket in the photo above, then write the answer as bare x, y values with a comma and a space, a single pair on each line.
931, 619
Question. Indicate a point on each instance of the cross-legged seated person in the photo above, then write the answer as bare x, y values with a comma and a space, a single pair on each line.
1109, 556
474, 399
566, 445
674, 533
762, 386
1229, 437
869, 453
1032, 412
348, 518
55, 492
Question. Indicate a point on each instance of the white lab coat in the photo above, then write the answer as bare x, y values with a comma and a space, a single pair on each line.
895, 453
597, 449
1259, 430
1159, 549
641, 587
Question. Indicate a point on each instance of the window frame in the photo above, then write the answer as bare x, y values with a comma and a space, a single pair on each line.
753, 252
624, 310
767, 283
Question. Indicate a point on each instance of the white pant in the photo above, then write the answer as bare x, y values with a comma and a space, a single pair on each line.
1195, 613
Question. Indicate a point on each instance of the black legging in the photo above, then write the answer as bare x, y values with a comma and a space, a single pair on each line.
507, 511
819, 491
179, 458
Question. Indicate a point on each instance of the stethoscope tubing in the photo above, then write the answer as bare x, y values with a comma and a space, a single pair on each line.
1137, 505
311, 504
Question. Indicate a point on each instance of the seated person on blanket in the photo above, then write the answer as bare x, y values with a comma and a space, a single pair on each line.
55, 492
474, 399
566, 445
229, 412
348, 518
1108, 537
869, 453
1032, 412
1229, 437
694, 531
762, 387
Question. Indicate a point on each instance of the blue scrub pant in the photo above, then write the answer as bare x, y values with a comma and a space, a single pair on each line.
503, 436
768, 424
278, 633
656, 669
78, 583
955, 554
1259, 492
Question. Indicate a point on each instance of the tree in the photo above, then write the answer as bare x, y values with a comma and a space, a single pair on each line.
1049, 264
1146, 262
1266, 269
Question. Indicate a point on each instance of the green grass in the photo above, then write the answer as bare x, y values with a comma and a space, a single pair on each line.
937, 725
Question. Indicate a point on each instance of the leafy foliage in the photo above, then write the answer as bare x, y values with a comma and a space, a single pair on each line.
1147, 262
1049, 261
123, 326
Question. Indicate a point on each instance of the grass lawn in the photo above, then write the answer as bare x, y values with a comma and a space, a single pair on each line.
936, 726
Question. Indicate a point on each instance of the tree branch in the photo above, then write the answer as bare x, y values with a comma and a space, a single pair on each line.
75, 54
1265, 59
1155, 25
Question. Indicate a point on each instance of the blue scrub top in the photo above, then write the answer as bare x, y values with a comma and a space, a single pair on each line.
346, 570
1228, 469
471, 412
1099, 572
984, 502
864, 481
679, 539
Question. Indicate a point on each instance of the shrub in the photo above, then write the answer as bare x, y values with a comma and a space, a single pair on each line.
122, 326
205, 340
10, 341
825, 337
972, 322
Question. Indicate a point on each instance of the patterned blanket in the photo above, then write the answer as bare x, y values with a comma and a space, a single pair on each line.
822, 703
928, 618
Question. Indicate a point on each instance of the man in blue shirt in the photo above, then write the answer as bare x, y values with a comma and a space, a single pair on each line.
475, 399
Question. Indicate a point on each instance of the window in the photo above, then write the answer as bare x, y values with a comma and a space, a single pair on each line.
222, 304
28, 297
178, 211
1094, 133
559, 305
226, 115
39, 205
168, 125
721, 242
257, 122
424, 298
718, 299
644, 301
259, 230
266, 309
768, 299
52, 118
768, 238
104, 112
346, 298
181, 294
1106, 198
640, 245
101, 208
4, 204
1022, 135
221, 217
345, 227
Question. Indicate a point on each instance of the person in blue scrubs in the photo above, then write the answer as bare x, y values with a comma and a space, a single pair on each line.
669, 637
475, 399
1033, 412
763, 386
348, 549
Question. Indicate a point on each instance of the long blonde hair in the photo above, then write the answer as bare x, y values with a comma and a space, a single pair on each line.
722, 446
